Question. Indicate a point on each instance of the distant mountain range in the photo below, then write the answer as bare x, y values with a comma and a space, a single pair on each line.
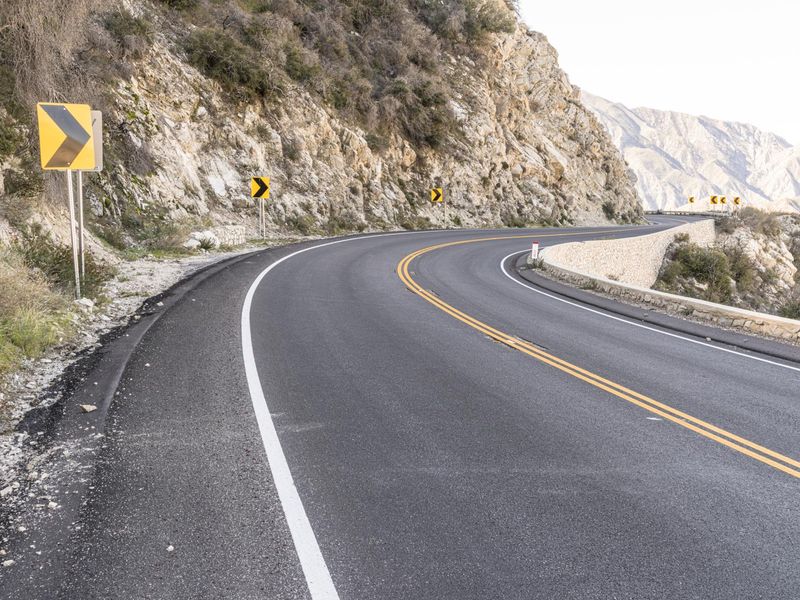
675, 156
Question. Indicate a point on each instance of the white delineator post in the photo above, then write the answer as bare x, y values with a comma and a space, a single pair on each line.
534, 250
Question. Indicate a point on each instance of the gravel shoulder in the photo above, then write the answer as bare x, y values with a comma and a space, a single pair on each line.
36, 467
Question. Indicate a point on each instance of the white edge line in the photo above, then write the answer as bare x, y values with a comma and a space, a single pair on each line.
608, 316
318, 577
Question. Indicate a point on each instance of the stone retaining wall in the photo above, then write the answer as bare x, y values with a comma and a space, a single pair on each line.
599, 259
635, 260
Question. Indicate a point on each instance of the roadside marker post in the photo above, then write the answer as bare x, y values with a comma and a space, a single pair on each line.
259, 189
534, 250
66, 143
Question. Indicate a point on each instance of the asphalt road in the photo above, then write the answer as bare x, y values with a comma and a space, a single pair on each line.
427, 455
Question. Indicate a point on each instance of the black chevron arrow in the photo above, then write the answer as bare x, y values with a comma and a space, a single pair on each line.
437, 195
77, 136
263, 187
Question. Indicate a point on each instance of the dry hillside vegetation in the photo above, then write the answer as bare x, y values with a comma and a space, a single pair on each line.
754, 264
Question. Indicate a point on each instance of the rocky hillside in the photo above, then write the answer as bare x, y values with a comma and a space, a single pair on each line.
675, 156
354, 109
754, 264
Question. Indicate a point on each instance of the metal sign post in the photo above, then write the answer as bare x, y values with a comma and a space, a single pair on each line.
72, 235
81, 236
264, 218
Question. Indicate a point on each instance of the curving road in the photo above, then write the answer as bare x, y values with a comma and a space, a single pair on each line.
435, 427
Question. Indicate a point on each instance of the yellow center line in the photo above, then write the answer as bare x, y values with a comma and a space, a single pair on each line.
726, 438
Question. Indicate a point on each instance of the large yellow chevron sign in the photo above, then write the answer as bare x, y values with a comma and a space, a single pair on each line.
65, 136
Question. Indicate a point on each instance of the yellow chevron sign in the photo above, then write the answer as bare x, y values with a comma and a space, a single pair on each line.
723, 200
65, 136
259, 187
437, 195
737, 200
691, 199
714, 199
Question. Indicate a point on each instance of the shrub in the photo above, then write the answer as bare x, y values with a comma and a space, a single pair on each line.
760, 221
299, 66
512, 220
415, 222
32, 316
224, 59
181, 4
305, 224
344, 223
609, 210
466, 21
743, 271
54, 262
708, 266
791, 310
121, 24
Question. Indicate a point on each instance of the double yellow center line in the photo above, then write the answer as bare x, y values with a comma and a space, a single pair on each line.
712, 432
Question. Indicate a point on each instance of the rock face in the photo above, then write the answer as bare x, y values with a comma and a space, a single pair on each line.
676, 155
525, 151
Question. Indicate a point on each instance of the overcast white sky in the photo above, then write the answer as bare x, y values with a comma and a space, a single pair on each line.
735, 60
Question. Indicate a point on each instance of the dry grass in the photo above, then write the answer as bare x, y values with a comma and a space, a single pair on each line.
32, 316
40, 39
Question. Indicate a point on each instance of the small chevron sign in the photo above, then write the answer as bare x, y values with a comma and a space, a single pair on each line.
737, 200
723, 200
259, 187
714, 199
437, 195
691, 199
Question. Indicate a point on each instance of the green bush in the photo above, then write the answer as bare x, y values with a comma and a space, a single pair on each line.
791, 310
415, 222
512, 220
54, 262
743, 271
466, 21
609, 210
181, 4
304, 224
299, 66
121, 24
756, 220
32, 316
219, 56
344, 223
707, 266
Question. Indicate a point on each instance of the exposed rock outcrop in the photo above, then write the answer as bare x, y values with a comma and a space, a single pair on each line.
524, 150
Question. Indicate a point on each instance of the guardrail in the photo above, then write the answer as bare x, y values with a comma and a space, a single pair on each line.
689, 213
